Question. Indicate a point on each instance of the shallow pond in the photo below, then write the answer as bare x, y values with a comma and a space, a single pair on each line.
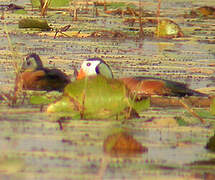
34, 147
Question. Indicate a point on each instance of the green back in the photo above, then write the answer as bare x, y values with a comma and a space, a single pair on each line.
105, 70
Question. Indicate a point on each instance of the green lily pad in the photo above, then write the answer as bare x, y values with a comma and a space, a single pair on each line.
168, 29
205, 114
40, 100
181, 121
140, 105
212, 106
96, 98
115, 5
34, 23
43, 97
20, 11
53, 3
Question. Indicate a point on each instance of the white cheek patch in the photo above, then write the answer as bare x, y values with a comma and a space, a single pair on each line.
90, 69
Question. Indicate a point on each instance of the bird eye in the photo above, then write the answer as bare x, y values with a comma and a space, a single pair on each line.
88, 64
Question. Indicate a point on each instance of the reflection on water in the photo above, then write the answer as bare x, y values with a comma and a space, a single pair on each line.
107, 149
120, 143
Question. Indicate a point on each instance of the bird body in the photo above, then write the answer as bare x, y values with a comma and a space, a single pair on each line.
34, 76
149, 86
143, 86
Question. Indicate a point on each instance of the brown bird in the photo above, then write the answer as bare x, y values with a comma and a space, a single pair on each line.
34, 76
144, 86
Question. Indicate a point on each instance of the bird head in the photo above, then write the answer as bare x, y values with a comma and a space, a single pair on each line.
94, 66
32, 62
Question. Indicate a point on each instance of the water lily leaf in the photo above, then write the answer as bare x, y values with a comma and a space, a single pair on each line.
20, 11
115, 5
41, 100
168, 29
34, 23
205, 114
140, 105
53, 3
95, 98
181, 121
212, 106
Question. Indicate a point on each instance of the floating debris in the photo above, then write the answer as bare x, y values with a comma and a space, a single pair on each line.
108, 34
62, 30
128, 12
132, 21
204, 11
11, 7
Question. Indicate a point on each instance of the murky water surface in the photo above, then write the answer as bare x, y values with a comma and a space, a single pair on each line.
32, 144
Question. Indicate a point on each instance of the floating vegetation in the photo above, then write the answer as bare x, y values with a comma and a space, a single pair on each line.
181, 121
202, 12
168, 29
173, 137
42, 100
115, 5
11, 7
109, 34
212, 106
97, 98
14, 7
211, 144
34, 23
53, 3
129, 11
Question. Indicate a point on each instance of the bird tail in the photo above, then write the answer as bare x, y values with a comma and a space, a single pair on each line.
196, 93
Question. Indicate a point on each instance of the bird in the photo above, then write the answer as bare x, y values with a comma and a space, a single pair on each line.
140, 85
98, 96
33, 76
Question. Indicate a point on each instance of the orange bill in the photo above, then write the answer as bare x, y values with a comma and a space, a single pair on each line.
81, 74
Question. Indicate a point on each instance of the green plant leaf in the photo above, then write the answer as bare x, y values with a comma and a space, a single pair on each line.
115, 5
20, 11
181, 121
53, 3
205, 113
94, 98
211, 144
140, 105
40, 100
212, 106
41, 24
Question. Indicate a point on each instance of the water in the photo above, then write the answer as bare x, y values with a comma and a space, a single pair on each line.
46, 152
